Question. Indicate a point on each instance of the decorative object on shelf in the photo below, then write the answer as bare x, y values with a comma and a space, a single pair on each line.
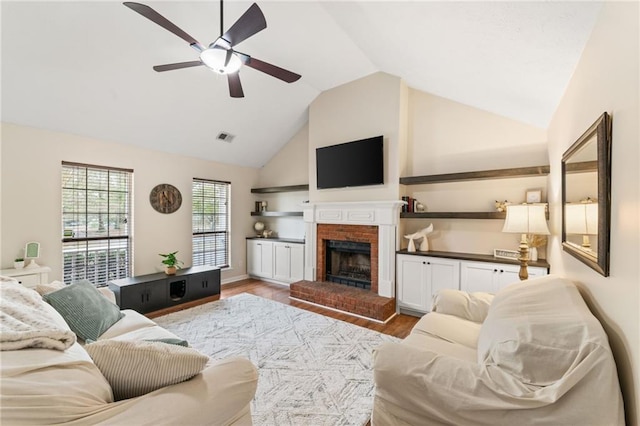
165, 198
533, 196
525, 219
263, 206
505, 254
259, 227
32, 251
267, 233
171, 262
534, 241
420, 207
501, 206
424, 245
18, 263
582, 219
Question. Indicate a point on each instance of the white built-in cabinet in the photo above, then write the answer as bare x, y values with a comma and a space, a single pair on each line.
288, 261
492, 277
421, 277
260, 258
278, 261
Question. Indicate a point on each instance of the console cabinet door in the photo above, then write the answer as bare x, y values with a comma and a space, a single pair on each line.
493, 277
204, 284
144, 297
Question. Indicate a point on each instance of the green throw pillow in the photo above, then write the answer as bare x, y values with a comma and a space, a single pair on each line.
87, 312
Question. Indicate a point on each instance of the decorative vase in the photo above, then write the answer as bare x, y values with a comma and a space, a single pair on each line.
170, 270
18, 264
533, 254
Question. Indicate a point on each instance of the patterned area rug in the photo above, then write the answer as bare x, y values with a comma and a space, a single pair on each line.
313, 370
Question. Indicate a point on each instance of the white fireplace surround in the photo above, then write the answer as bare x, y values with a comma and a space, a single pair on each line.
383, 214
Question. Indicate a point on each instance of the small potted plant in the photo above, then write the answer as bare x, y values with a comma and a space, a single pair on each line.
171, 263
18, 263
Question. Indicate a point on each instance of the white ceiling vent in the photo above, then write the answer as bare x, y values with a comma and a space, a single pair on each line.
225, 137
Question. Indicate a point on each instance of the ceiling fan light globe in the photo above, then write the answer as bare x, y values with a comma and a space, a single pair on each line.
215, 58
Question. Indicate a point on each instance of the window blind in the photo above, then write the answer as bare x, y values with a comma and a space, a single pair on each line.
210, 222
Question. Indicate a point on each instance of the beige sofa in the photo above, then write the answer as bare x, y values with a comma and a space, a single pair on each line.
532, 355
48, 386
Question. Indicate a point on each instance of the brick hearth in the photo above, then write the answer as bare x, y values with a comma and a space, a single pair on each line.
348, 299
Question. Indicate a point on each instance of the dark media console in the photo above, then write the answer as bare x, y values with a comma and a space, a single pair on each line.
148, 293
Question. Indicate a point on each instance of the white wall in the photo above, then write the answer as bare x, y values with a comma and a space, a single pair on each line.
31, 197
360, 109
606, 79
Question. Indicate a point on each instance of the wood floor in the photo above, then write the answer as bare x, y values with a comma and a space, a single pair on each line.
399, 326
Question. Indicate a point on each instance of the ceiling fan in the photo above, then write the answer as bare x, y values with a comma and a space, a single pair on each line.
221, 56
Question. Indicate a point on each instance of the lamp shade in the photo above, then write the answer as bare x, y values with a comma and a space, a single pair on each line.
581, 218
526, 219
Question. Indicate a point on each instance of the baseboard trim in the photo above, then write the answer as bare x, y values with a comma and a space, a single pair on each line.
234, 279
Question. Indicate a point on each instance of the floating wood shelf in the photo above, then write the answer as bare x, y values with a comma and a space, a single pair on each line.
275, 189
276, 214
455, 215
479, 175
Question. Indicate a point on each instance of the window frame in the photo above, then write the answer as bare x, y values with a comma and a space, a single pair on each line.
86, 244
198, 257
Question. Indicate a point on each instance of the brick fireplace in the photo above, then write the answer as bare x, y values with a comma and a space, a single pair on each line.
351, 226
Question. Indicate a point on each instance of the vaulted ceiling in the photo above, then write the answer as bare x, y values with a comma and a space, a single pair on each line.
86, 67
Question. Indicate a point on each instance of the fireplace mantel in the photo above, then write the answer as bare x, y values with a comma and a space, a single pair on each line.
383, 214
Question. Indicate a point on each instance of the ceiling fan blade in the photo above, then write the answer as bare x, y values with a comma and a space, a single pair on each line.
272, 70
235, 87
250, 23
154, 16
177, 66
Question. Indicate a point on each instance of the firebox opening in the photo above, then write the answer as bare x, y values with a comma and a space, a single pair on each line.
348, 263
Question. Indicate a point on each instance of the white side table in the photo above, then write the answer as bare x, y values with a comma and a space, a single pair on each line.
29, 277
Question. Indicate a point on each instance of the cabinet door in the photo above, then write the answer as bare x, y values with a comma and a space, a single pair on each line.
133, 297
441, 273
282, 261
260, 258
156, 295
506, 275
477, 276
204, 284
412, 282
297, 262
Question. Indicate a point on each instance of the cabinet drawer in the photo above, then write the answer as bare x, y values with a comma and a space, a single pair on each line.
29, 280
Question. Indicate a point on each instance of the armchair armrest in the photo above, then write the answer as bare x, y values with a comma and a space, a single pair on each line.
470, 306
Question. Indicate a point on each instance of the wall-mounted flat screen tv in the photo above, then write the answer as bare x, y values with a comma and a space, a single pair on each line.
357, 163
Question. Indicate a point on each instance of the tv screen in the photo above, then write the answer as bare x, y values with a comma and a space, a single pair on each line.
357, 163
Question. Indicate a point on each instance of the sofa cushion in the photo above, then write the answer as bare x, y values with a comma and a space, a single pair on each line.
85, 309
469, 306
450, 328
441, 347
539, 330
135, 368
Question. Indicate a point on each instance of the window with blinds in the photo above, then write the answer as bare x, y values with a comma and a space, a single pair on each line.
96, 223
210, 220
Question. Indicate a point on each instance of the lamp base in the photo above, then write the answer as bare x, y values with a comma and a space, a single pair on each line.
523, 250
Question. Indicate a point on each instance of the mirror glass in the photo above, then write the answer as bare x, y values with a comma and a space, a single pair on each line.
586, 194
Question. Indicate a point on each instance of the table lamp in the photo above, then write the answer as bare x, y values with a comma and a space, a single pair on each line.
525, 219
582, 218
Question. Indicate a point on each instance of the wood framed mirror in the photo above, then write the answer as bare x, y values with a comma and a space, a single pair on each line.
586, 196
